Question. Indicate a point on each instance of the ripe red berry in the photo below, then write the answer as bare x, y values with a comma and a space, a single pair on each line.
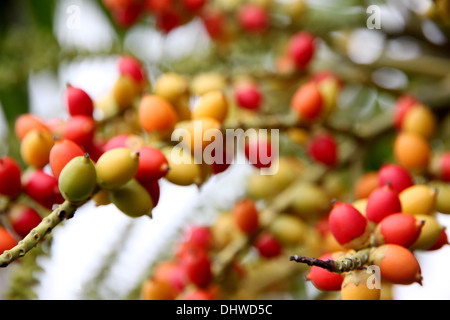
23, 219
253, 18
259, 153
200, 236
197, 266
307, 101
301, 48
193, 5
43, 188
382, 202
131, 66
152, 187
168, 20
444, 166
248, 96
214, 21
323, 148
158, 5
81, 130
348, 225
125, 16
267, 245
10, 177
153, 164
397, 176
246, 216
401, 107
61, 153
399, 228
442, 241
78, 102
324, 279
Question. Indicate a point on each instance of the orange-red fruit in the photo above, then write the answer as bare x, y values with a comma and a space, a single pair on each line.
324, 279
153, 164
10, 177
81, 130
156, 114
267, 245
153, 289
27, 122
62, 152
78, 102
246, 216
382, 202
365, 184
399, 228
398, 265
7, 241
307, 101
412, 150
347, 223
397, 176
301, 48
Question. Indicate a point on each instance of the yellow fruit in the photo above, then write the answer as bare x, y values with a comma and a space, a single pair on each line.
78, 179
360, 205
35, 147
171, 86
132, 199
429, 234
412, 150
213, 104
329, 89
116, 167
183, 169
288, 229
418, 199
101, 198
310, 201
443, 196
358, 285
200, 133
124, 91
207, 82
420, 120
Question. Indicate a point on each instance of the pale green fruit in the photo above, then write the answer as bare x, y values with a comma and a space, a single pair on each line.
132, 199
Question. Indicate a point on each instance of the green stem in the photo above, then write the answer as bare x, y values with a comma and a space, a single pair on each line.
64, 211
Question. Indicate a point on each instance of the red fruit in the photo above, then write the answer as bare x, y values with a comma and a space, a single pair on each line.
324, 279
267, 245
10, 177
193, 5
259, 153
248, 96
126, 16
172, 273
214, 21
398, 265
152, 187
81, 130
27, 122
253, 18
78, 102
7, 241
442, 241
347, 224
61, 153
158, 5
397, 176
200, 236
43, 188
444, 166
246, 216
130, 66
23, 219
153, 164
307, 101
323, 148
399, 228
168, 20
401, 107
382, 202
325, 75
301, 48
197, 265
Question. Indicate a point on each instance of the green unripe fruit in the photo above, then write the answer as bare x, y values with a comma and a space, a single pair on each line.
116, 167
132, 199
78, 179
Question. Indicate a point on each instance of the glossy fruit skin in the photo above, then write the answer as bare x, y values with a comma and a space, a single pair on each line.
248, 96
382, 202
430, 233
183, 170
347, 225
61, 153
153, 164
323, 279
301, 49
23, 219
132, 199
398, 265
43, 188
307, 101
397, 176
35, 148
399, 228
246, 216
81, 130
267, 245
27, 122
78, 179
253, 18
412, 150
78, 102
10, 177
156, 114
440, 242
7, 241
323, 149
116, 167
418, 199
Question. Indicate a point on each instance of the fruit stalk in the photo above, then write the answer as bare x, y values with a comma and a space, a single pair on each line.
345, 264
65, 211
